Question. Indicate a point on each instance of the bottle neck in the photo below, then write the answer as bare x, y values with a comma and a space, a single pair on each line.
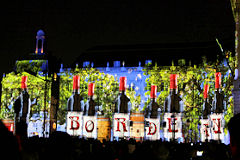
122, 92
173, 91
153, 99
90, 97
75, 91
205, 100
24, 90
218, 90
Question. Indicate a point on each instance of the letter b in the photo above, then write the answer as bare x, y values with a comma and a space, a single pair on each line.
74, 120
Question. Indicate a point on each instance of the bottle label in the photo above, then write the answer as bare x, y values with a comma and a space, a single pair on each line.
173, 127
74, 123
90, 126
217, 120
153, 129
205, 130
120, 125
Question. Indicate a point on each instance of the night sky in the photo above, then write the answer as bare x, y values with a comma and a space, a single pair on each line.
75, 28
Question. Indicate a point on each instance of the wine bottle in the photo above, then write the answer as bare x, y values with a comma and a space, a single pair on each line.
90, 115
122, 111
173, 108
206, 105
172, 102
152, 126
91, 109
75, 102
123, 102
205, 123
22, 110
218, 108
75, 110
218, 102
152, 109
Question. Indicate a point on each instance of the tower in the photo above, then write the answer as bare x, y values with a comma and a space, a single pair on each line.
39, 42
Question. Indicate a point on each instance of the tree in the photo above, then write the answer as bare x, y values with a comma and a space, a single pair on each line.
191, 80
11, 86
135, 100
106, 90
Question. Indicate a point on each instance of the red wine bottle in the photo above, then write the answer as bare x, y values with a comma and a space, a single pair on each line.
75, 101
22, 109
218, 102
90, 107
152, 109
123, 103
206, 105
172, 102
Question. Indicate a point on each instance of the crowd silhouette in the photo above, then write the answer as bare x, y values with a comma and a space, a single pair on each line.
61, 146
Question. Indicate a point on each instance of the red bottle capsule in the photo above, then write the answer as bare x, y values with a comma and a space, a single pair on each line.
173, 81
91, 89
205, 92
24, 82
217, 80
153, 93
122, 85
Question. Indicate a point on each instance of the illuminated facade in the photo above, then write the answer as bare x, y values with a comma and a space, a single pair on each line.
137, 80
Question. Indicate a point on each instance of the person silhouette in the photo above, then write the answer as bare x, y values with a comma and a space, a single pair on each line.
234, 130
10, 146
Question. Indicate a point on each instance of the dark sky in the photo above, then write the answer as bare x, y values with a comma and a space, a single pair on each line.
74, 27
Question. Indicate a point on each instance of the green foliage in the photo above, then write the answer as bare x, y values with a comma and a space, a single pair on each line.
106, 88
105, 94
11, 89
6, 113
134, 99
33, 66
191, 80
106, 91
65, 92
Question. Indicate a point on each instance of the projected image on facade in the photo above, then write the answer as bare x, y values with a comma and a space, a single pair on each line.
185, 102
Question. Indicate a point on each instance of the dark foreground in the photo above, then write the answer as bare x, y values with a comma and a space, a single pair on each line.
61, 146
